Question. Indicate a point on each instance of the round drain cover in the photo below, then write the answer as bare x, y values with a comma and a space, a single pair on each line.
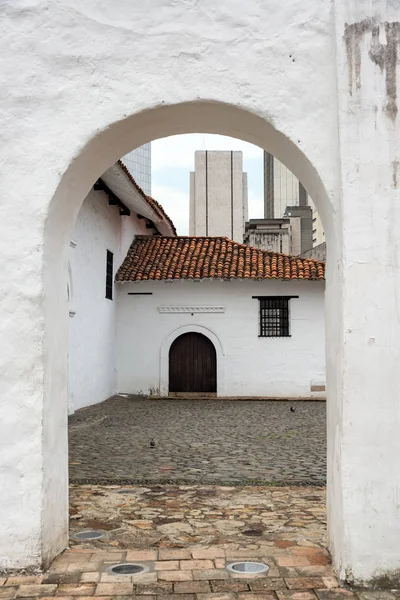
248, 567
88, 535
127, 569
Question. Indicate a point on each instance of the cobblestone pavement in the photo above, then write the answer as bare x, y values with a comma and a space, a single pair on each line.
203, 441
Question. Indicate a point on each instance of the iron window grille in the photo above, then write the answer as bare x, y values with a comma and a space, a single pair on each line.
274, 316
109, 275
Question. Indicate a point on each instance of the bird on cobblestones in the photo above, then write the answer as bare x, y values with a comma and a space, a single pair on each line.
292, 409
152, 443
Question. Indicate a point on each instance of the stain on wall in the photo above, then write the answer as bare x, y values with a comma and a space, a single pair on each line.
395, 166
383, 51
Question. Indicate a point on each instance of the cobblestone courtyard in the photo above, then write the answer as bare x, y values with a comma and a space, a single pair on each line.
187, 534
202, 441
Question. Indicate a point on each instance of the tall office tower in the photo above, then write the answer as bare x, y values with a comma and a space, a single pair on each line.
283, 192
138, 162
281, 188
218, 195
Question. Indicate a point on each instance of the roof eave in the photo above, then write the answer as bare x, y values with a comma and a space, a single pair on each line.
118, 182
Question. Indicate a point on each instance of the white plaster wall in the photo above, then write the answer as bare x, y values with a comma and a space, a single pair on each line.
79, 91
252, 366
366, 443
92, 375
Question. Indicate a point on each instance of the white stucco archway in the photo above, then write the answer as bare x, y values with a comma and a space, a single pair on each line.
172, 336
210, 116
310, 82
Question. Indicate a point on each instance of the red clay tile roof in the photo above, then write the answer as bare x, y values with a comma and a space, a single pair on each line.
156, 206
158, 258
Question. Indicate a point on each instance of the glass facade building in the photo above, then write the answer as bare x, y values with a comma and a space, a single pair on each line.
138, 163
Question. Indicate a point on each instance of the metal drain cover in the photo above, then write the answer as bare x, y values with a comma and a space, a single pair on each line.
87, 535
127, 569
251, 568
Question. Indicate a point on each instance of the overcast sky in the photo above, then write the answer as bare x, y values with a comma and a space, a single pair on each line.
172, 160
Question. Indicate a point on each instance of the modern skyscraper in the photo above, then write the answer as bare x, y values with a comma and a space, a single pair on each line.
138, 162
284, 195
218, 195
287, 225
281, 188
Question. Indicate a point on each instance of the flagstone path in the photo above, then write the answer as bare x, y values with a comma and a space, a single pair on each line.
186, 536
183, 516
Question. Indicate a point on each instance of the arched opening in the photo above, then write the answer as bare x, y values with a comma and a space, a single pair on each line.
192, 365
93, 160
280, 76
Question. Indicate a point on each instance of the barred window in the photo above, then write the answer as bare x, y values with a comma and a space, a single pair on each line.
109, 275
274, 316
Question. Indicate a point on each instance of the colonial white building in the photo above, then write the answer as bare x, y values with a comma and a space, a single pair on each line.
114, 211
186, 315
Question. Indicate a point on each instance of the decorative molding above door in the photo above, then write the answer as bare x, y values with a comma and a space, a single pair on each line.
191, 309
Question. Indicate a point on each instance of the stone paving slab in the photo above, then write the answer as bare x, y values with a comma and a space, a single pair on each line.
182, 566
176, 519
202, 441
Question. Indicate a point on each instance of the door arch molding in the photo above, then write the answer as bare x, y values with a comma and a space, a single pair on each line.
192, 365
172, 336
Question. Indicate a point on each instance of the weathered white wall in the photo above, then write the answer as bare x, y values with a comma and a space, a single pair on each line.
252, 366
92, 374
81, 98
313, 83
365, 445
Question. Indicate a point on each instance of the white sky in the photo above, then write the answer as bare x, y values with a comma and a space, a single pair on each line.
172, 160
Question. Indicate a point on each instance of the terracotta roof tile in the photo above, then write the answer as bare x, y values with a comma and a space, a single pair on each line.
160, 258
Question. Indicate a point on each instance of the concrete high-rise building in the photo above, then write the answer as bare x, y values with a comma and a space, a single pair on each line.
288, 220
283, 192
218, 195
138, 162
304, 214
281, 188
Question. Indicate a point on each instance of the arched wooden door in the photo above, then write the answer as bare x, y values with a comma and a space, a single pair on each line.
192, 365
